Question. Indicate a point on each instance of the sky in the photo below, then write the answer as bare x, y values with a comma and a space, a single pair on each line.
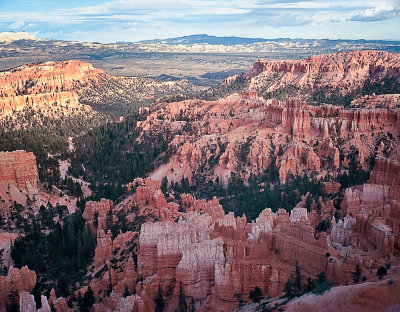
132, 20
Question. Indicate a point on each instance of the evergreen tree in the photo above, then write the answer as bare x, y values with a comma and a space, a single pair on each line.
321, 277
164, 185
297, 278
256, 294
110, 289
12, 304
239, 298
109, 219
289, 288
126, 291
159, 302
192, 306
381, 272
357, 274
87, 301
310, 284
1, 260
182, 305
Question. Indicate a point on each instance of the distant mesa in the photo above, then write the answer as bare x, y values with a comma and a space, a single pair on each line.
8, 37
204, 38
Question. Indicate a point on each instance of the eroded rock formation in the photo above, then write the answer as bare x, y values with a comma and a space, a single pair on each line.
245, 134
19, 168
15, 282
340, 73
57, 88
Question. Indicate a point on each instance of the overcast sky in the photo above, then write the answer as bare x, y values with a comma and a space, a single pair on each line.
132, 20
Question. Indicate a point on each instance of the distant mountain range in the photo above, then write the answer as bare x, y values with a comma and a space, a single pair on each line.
203, 38
230, 41
202, 59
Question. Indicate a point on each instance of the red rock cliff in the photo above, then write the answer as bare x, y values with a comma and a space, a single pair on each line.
18, 168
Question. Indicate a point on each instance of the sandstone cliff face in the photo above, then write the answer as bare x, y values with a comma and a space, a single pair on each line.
214, 259
245, 133
342, 72
18, 178
95, 214
59, 89
132, 303
49, 87
16, 281
27, 303
19, 183
369, 297
214, 255
19, 168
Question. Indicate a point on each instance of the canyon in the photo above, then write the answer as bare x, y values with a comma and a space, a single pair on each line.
245, 134
75, 88
162, 238
213, 255
335, 75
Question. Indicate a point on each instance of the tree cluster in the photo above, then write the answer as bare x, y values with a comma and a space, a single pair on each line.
59, 258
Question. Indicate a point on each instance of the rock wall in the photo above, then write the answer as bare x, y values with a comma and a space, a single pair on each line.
44, 86
216, 259
95, 214
343, 72
19, 168
16, 281
375, 207
210, 136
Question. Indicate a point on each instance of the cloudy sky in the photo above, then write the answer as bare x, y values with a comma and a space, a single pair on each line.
133, 20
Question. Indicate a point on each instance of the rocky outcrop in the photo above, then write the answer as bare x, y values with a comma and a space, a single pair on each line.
27, 303
244, 133
106, 245
150, 200
214, 256
16, 281
19, 168
368, 297
45, 87
59, 304
213, 260
96, 213
18, 179
55, 89
386, 172
377, 101
132, 303
340, 73
374, 208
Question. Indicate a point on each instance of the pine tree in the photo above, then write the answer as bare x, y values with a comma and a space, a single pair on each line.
297, 278
192, 306
182, 305
321, 277
109, 219
1, 260
357, 274
256, 294
110, 289
126, 291
159, 302
87, 301
381, 272
310, 284
289, 288
12, 304
164, 185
